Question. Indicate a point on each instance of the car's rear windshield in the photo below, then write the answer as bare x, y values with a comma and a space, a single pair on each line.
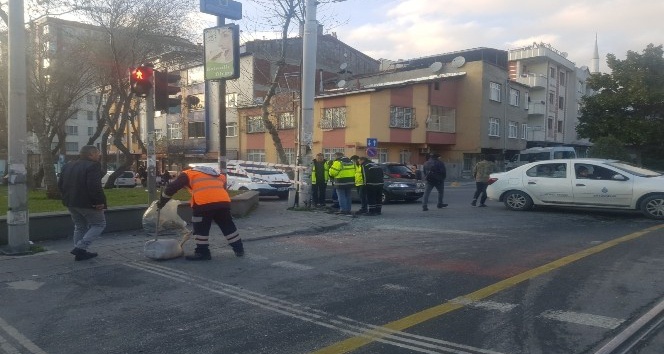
400, 169
638, 171
264, 172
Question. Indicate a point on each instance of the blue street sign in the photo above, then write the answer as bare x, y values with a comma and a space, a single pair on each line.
372, 152
224, 8
372, 142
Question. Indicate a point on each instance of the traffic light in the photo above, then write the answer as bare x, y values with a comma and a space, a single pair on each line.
140, 80
166, 84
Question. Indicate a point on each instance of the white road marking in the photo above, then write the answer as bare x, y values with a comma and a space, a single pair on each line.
430, 230
292, 265
394, 287
345, 276
343, 324
21, 339
583, 319
25, 285
487, 305
7, 348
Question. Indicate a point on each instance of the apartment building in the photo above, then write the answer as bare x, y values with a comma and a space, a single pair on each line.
556, 87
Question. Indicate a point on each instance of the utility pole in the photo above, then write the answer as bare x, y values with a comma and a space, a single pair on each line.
310, 43
17, 213
221, 104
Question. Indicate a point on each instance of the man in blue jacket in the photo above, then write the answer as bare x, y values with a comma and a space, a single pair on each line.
83, 195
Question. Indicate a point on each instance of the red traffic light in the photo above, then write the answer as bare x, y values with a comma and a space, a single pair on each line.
140, 80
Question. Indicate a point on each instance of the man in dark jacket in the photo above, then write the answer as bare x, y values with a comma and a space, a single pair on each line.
319, 178
83, 195
434, 174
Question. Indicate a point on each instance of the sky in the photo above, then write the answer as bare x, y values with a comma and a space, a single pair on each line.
404, 29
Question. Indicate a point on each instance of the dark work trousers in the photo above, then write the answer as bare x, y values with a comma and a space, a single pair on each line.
374, 198
480, 190
202, 221
335, 198
318, 193
362, 192
440, 187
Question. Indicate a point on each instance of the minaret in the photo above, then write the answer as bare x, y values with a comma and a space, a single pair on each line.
594, 67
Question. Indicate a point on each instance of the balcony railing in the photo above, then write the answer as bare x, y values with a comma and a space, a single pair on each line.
536, 108
533, 80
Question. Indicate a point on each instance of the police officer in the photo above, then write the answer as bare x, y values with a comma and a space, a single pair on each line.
343, 172
319, 178
209, 202
373, 180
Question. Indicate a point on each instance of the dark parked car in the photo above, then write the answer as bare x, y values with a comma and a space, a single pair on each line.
397, 170
406, 189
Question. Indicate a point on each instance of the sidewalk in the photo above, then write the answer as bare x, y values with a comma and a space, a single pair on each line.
270, 219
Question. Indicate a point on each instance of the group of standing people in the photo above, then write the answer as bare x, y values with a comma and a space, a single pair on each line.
347, 173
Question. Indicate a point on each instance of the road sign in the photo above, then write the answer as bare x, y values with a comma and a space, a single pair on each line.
372, 142
224, 8
222, 52
372, 152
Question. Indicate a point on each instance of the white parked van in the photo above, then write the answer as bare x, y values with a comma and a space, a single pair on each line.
277, 180
540, 154
240, 181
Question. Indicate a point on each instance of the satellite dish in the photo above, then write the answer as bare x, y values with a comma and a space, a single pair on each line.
341, 84
435, 67
343, 66
458, 62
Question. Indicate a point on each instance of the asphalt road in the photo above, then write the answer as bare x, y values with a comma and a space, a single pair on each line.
451, 280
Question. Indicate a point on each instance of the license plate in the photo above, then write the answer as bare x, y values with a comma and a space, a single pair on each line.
419, 190
281, 189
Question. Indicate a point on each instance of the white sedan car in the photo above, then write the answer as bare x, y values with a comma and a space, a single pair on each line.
587, 183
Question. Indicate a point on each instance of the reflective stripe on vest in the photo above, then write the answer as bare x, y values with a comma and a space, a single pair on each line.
206, 189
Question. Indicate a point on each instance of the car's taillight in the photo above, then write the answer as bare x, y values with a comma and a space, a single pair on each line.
491, 180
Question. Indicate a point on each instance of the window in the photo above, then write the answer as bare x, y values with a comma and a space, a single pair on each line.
255, 124
494, 93
286, 120
196, 130
91, 131
72, 130
329, 153
513, 130
257, 155
231, 130
382, 155
404, 156
514, 97
552, 98
402, 117
548, 170
524, 131
494, 127
441, 119
560, 126
90, 114
231, 100
89, 99
333, 118
158, 134
561, 78
552, 73
290, 155
71, 146
174, 131
561, 102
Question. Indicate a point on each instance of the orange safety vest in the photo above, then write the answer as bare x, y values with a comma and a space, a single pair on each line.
206, 189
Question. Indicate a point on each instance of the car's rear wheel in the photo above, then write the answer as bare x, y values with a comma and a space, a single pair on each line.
517, 200
653, 206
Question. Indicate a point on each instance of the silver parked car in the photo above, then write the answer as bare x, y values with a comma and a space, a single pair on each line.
588, 183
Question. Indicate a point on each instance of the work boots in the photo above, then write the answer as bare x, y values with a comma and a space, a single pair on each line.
238, 248
200, 254
82, 254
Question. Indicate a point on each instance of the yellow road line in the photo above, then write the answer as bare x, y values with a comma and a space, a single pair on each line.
451, 305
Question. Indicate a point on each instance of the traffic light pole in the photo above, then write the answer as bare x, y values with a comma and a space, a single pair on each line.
151, 154
17, 213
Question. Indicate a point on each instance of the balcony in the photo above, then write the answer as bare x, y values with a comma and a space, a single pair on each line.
533, 80
536, 108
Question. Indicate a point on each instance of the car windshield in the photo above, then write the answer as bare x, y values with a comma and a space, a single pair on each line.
638, 171
399, 169
264, 172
